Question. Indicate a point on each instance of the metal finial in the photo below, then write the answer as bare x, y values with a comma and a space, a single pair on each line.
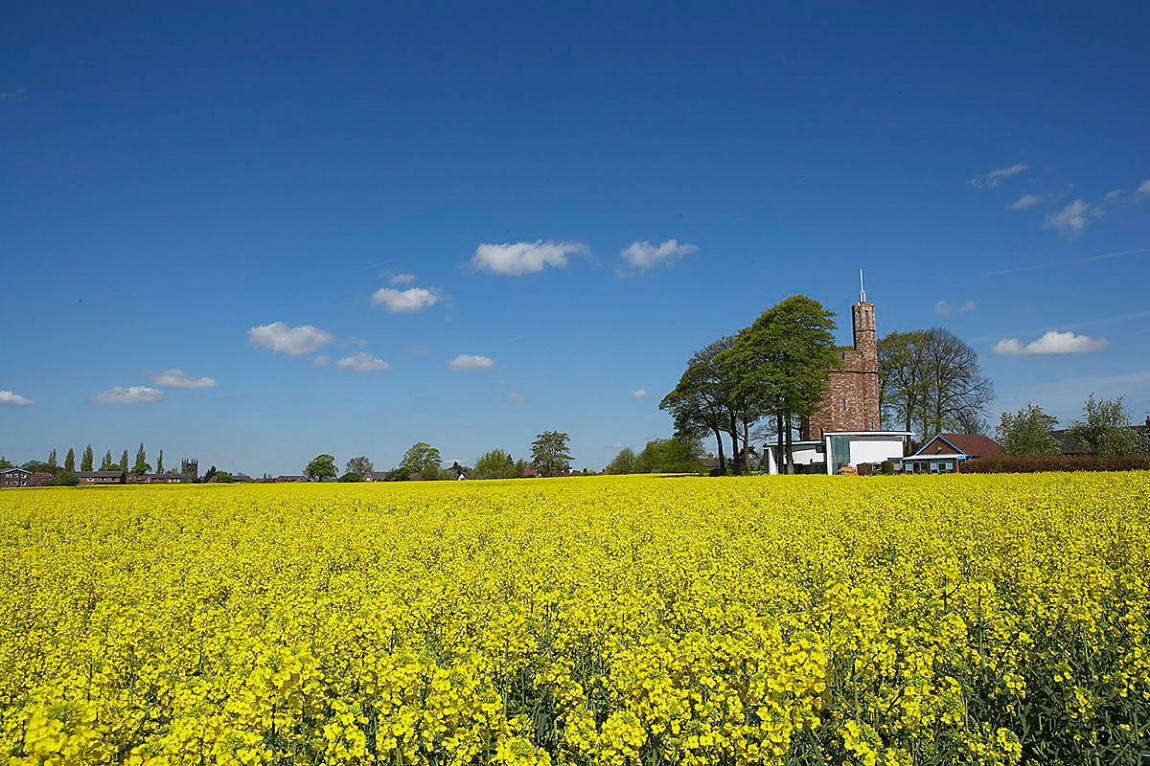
862, 290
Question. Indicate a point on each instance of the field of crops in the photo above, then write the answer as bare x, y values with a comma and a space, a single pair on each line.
802, 620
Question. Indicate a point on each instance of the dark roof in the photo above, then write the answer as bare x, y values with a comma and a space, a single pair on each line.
168, 475
99, 474
970, 444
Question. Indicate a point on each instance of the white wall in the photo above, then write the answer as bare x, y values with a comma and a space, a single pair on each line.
874, 449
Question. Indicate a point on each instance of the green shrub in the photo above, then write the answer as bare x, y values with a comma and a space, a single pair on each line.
1040, 463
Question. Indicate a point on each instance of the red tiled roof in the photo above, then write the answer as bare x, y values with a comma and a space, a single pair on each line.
973, 444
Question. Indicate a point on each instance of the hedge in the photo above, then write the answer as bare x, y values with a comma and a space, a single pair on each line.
1039, 463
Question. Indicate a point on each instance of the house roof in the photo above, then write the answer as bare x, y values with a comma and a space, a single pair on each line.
99, 474
15, 468
969, 444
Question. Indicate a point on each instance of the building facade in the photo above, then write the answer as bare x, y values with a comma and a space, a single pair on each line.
852, 401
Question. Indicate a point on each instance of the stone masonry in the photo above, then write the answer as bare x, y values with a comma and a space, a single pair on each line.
852, 399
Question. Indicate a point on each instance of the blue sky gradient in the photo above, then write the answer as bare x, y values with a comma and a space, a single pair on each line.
172, 178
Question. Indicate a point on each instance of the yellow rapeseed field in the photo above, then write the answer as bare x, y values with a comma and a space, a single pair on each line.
798, 620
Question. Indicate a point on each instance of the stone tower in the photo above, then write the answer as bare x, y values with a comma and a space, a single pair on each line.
851, 403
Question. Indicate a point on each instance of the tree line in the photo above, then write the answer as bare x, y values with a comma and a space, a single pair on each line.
1103, 430
66, 471
550, 456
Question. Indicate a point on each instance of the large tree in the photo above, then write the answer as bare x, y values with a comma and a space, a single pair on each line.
931, 380
141, 466
550, 453
623, 463
123, 464
1104, 429
70, 461
781, 365
160, 462
87, 459
321, 467
699, 402
423, 459
675, 455
1027, 432
494, 464
107, 464
52, 464
360, 465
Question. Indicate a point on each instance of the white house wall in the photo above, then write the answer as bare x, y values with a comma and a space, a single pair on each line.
874, 450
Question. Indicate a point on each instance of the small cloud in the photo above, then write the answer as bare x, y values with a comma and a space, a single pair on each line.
321, 361
13, 399
174, 378
1143, 189
640, 393
1074, 217
363, 362
402, 279
404, 301
944, 309
514, 259
515, 398
1026, 201
1113, 196
994, 177
288, 340
465, 362
128, 395
643, 254
1053, 342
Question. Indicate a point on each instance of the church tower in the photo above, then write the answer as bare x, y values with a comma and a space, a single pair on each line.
851, 403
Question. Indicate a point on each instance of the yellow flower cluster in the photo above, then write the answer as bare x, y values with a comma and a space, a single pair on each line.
623, 620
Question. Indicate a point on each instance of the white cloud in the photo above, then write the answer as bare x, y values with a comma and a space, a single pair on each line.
174, 378
1074, 217
404, 301
465, 362
944, 309
516, 258
321, 361
288, 340
1026, 201
644, 254
1053, 342
363, 362
128, 395
640, 393
1144, 188
13, 399
515, 398
402, 279
1113, 196
994, 177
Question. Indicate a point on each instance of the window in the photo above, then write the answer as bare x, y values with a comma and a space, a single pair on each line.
840, 452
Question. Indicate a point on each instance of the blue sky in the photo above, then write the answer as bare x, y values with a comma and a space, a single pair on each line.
173, 178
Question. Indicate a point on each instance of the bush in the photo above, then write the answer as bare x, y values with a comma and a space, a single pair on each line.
1039, 463
351, 476
887, 468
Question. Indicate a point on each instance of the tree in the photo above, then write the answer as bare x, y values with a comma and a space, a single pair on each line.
106, 464
86, 459
1027, 432
932, 379
781, 365
351, 476
141, 466
494, 464
674, 455
423, 459
123, 464
70, 461
360, 465
160, 462
5, 462
522, 469
623, 463
321, 467
550, 453
1105, 429
52, 464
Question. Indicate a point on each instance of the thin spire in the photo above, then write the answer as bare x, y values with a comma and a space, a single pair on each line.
862, 290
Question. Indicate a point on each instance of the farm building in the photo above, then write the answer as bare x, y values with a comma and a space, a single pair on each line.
86, 478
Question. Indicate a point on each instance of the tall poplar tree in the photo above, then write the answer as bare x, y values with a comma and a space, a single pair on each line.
70, 461
52, 464
87, 459
141, 466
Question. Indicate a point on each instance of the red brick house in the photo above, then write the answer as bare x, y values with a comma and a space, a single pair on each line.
89, 478
944, 452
